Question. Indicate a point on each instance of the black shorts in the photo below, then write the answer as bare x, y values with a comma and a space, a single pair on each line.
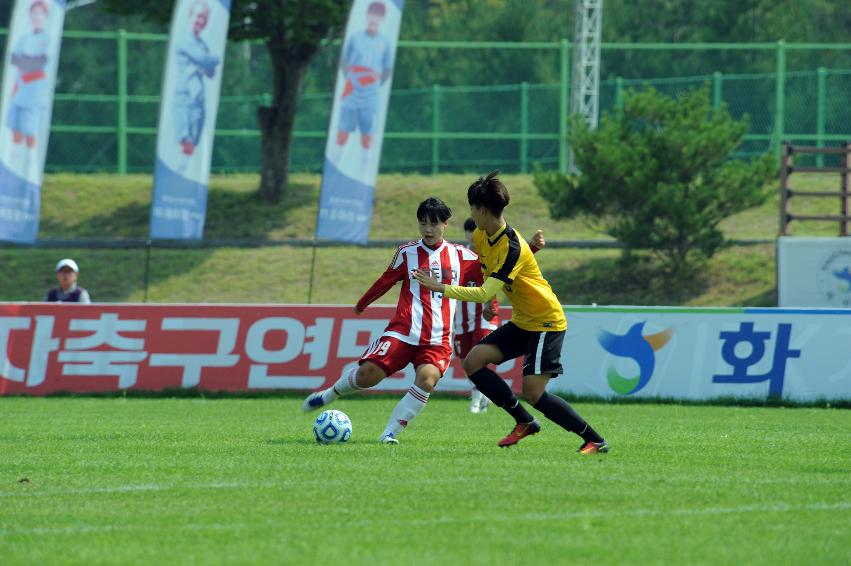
542, 350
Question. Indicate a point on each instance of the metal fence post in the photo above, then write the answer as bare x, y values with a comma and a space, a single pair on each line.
780, 98
524, 127
435, 129
564, 96
820, 101
618, 93
121, 131
785, 152
717, 82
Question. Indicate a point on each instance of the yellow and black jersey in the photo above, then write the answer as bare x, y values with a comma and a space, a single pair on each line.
506, 256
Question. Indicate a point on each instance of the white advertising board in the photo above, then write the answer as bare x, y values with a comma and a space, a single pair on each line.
692, 353
814, 272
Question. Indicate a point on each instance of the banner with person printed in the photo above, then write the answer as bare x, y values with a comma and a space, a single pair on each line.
356, 130
29, 77
189, 102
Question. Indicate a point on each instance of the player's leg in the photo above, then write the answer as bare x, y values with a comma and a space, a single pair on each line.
543, 362
477, 336
366, 117
377, 362
462, 344
505, 343
354, 379
412, 403
346, 124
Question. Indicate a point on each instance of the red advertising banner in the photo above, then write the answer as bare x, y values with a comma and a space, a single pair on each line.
52, 347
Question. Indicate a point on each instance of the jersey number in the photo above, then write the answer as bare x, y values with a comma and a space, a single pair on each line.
379, 348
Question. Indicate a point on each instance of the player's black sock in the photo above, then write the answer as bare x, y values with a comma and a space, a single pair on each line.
498, 391
557, 410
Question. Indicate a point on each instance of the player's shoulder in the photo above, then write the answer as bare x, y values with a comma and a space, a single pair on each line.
515, 238
464, 252
412, 243
400, 253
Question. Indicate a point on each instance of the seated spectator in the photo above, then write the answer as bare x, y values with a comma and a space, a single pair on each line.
68, 290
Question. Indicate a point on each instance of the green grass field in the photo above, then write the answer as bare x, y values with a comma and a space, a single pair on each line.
202, 481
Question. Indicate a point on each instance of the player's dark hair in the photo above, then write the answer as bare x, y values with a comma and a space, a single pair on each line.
434, 210
376, 8
489, 192
469, 225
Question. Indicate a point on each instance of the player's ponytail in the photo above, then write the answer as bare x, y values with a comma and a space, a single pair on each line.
489, 192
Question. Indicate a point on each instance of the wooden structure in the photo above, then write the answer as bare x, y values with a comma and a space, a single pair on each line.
787, 167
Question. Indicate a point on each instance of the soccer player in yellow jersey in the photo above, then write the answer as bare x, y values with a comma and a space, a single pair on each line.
536, 329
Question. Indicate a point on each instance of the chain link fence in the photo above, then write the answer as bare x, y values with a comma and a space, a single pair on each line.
455, 106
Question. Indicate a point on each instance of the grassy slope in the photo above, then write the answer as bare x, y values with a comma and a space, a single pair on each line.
240, 481
76, 206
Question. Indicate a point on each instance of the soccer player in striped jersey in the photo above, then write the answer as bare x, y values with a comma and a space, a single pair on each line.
474, 321
420, 332
537, 327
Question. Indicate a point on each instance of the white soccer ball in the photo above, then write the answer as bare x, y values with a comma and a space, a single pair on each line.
331, 427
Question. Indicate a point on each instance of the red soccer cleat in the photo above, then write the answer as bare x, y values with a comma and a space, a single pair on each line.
522, 430
594, 448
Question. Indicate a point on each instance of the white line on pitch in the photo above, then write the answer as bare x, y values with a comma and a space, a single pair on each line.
772, 508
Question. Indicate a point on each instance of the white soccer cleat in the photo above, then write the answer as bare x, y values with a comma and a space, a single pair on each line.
388, 438
313, 402
476, 401
484, 402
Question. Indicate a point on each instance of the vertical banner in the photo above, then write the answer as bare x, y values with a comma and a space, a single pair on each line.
29, 77
189, 102
357, 120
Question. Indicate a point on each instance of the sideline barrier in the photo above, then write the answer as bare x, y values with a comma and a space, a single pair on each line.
48, 347
707, 353
682, 353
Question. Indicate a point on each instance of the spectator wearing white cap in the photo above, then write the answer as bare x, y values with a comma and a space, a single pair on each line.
68, 290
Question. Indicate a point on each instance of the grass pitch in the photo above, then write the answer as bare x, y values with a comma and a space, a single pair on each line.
241, 481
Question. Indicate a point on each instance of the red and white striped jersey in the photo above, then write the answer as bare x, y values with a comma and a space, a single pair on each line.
424, 317
469, 318
468, 315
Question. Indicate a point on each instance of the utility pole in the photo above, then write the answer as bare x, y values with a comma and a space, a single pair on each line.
585, 77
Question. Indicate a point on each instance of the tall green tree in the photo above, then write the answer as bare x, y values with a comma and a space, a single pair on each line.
657, 176
293, 32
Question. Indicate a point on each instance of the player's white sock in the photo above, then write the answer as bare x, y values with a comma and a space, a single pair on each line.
406, 410
346, 385
366, 163
335, 154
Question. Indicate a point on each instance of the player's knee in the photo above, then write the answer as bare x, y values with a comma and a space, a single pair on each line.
533, 389
427, 380
531, 396
369, 375
472, 363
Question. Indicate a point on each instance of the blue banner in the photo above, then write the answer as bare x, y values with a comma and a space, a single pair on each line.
29, 78
356, 131
189, 102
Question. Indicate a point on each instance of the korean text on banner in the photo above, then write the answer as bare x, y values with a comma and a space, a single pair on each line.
356, 130
48, 347
29, 78
189, 102
707, 353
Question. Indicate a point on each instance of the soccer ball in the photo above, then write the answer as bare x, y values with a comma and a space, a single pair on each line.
332, 426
